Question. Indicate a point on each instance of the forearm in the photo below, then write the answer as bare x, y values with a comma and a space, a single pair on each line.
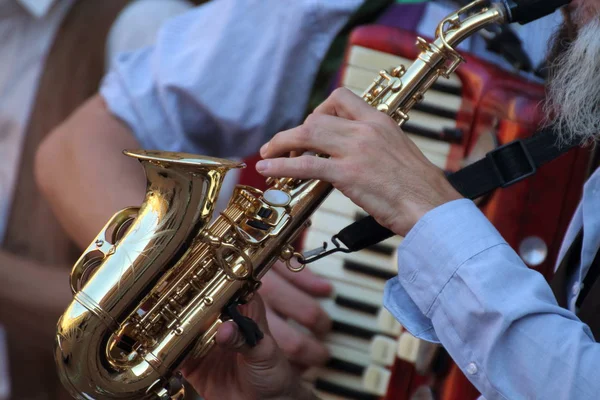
497, 318
81, 170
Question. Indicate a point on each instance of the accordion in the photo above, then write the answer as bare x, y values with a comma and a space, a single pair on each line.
478, 108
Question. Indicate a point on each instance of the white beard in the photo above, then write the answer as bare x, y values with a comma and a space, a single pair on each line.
573, 103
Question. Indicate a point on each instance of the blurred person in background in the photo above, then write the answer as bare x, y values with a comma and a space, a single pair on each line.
54, 54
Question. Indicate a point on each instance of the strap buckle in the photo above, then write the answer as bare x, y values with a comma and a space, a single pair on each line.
508, 160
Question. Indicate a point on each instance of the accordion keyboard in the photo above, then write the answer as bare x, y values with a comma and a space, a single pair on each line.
366, 340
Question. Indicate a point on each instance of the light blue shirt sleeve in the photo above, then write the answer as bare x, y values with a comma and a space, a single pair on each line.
460, 283
224, 77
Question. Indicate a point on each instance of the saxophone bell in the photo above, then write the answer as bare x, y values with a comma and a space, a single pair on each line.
104, 349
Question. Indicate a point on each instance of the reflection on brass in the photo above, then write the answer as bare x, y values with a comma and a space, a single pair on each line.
151, 287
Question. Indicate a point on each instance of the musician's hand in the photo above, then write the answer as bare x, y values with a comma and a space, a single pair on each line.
372, 161
234, 371
290, 295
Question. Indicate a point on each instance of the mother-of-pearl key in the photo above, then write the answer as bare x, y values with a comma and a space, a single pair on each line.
277, 198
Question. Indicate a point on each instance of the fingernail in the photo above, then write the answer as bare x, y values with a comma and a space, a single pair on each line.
323, 285
263, 165
264, 148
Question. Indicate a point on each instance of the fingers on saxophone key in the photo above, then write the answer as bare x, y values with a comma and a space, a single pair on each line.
302, 167
345, 104
319, 133
230, 337
265, 355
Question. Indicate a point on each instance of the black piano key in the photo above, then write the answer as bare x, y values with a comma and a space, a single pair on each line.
364, 269
356, 305
414, 129
338, 390
381, 249
452, 135
443, 87
352, 330
345, 366
435, 110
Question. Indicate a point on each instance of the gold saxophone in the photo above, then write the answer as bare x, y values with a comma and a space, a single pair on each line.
151, 289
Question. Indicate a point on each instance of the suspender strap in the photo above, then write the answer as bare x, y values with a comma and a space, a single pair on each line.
589, 297
569, 262
590, 279
501, 168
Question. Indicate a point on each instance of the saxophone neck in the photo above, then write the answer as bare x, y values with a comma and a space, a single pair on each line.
396, 92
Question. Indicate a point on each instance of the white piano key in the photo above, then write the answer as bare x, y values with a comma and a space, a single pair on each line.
329, 223
377, 60
348, 316
351, 355
377, 379
336, 202
358, 319
387, 323
353, 342
433, 122
382, 350
408, 347
332, 268
364, 295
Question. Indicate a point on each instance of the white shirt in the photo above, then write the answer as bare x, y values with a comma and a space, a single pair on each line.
27, 29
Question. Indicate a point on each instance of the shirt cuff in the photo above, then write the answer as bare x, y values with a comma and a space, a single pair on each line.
432, 252
404, 309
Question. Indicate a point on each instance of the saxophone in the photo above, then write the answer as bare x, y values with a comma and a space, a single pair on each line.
152, 288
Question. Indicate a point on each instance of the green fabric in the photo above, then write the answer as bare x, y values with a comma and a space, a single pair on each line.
367, 13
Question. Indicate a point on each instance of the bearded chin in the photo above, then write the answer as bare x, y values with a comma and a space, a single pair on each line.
573, 98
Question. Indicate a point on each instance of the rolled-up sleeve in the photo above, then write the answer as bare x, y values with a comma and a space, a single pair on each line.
459, 283
224, 77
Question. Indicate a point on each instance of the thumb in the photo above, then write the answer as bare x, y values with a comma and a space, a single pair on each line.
266, 353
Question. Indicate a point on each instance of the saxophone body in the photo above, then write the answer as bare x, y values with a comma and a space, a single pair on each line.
151, 289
